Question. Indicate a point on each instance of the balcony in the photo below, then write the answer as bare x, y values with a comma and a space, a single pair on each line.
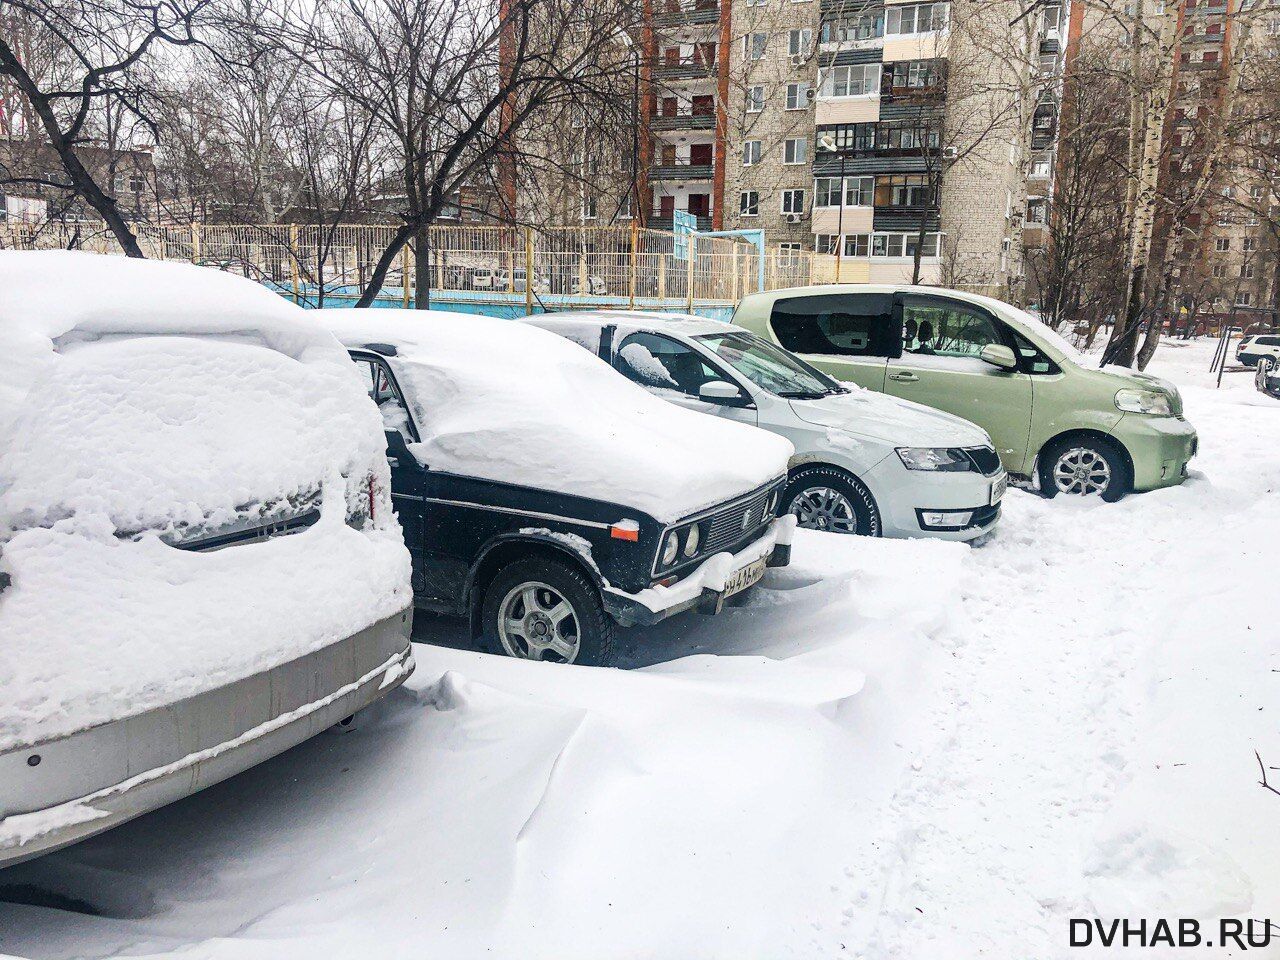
682, 171
659, 222
687, 121
699, 13
686, 68
894, 217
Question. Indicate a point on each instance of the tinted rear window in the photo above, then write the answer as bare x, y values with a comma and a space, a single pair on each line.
842, 324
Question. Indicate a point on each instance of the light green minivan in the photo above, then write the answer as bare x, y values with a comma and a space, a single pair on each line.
1081, 429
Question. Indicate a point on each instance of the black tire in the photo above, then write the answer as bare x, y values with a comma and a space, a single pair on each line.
594, 629
1119, 474
866, 515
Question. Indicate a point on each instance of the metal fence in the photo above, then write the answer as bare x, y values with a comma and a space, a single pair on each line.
611, 266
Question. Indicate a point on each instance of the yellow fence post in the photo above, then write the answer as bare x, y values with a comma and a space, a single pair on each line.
693, 253
293, 263
195, 243
404, 275
662, 277
635, 252
528, 272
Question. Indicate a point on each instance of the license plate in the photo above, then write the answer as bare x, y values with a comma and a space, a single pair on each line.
744, 578
997, 489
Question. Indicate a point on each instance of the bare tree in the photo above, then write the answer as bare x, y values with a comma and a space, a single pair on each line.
100, 55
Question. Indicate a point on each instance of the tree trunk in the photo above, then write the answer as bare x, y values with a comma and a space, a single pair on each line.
383, 266
422, 268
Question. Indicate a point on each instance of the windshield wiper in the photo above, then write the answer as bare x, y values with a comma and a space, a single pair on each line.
803, 394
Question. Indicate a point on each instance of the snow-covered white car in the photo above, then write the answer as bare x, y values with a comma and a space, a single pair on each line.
864, 462
548, 499
1258, 349
199, 564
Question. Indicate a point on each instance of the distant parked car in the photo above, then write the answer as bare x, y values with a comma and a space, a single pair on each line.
864, 463
484, 278
1259, 348
1079, 430
595, 287
1266, 378
548, 499
199, 566
540, 283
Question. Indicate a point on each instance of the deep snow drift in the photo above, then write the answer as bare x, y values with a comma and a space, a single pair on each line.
916, 750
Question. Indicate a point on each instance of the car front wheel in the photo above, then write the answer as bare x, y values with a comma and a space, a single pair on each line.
543, 609
823, 498
1084, 466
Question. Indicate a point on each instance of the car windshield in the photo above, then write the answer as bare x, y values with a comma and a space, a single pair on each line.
769, 367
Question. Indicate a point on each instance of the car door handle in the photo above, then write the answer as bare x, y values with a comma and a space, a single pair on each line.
904, 377
393, 461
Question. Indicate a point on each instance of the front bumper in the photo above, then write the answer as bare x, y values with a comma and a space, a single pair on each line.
1160, 448
904, 495
704, 587
57, 792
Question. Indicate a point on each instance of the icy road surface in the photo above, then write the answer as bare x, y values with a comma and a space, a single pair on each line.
905, 750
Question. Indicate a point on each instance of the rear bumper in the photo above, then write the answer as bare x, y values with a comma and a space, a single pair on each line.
704, 587
58, 792
1160, 447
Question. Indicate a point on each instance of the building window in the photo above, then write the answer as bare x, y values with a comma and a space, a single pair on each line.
907, 135
789, 250
1246, 271
750, 152
1243, 298
795, 151
749, 203
588, 208
1040, 168
793, 201
915, 74
855, 81
1219, 271
891, 245
1036, 210
1222, 244
857, 244
755, 99
624, 208
919, 18
904, 190
799, 42
1249, 244
754, 45
858, 191
824, 243
864, 26
797, 96
850, 136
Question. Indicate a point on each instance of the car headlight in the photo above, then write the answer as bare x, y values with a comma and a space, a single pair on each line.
691, 541
945, 459
1144, 401
671, 549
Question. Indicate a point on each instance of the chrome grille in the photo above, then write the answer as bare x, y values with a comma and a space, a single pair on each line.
725, 527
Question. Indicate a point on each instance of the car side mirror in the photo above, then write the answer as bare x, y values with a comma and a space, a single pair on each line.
998, 355
723, 393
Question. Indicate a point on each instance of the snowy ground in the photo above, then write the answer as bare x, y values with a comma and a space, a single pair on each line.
914, 750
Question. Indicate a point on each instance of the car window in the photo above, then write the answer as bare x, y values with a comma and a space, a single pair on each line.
660, 363
935, 327
383, 392
1269, 341
1031, 359
844, 324
768, 367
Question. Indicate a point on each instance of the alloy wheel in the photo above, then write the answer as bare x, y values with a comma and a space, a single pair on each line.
1083, 471
821, 508
536, 622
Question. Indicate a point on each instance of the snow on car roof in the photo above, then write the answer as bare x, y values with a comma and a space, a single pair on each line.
508, 402
628, 320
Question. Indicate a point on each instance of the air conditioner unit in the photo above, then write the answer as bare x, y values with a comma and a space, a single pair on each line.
797, 60
950, 153
810, 93
794, 217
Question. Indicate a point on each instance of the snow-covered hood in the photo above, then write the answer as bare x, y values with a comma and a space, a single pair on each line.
865, 413
513, 403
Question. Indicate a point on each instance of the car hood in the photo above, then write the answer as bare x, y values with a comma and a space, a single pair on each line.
889, 419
